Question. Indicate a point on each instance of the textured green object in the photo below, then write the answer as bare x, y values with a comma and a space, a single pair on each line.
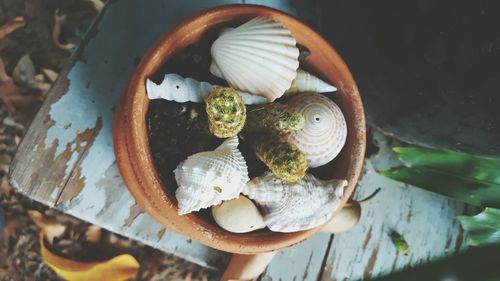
226, 112
464, 177
483, 228
274, 116
284, 159
399, 242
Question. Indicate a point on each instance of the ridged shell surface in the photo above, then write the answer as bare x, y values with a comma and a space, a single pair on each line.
259, 57
325, 131
177, 88
289, 207
207, 178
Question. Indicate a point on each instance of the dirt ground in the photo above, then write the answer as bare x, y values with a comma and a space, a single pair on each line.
36, 41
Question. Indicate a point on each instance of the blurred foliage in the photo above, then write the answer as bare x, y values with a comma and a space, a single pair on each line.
483, 228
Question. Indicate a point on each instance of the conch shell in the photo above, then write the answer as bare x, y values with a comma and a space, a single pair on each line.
289, 207
258, 57
306, 82
226, 112
207, 178
176, 88
325, 132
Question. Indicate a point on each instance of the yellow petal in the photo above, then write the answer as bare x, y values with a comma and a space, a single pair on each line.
119, 268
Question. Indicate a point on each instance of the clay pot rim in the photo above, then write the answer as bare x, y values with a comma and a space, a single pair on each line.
135, 161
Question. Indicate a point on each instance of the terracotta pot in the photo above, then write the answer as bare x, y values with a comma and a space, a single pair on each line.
131, 137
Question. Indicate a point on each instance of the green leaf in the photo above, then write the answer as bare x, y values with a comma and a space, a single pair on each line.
483, 228
468, 178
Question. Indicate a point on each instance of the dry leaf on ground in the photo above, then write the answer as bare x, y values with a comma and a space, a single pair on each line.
59, 18
122, 267
11, 26
10, 94
50, 227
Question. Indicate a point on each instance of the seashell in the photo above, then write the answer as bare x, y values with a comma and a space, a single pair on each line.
176, 88
289, 207
306, 82
238, 215
284, 159
207, 178
274, 116
226, 112
258, 57
325, 132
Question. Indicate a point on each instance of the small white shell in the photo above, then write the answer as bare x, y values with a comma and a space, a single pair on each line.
290, 207
206, 178
306, 82
258, 57
325, 132
176, 88
238, 215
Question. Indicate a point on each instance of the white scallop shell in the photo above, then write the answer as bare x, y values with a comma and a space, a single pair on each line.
176, 88
207, 178
258, 57
289, 207
306, 82
325, 132
238, 215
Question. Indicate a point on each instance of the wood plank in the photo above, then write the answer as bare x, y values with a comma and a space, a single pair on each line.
300, 262
426, 220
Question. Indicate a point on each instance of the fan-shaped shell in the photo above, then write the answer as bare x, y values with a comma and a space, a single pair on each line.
325, 132
177, 88
306, 82
207, 178
289, 207
258, 57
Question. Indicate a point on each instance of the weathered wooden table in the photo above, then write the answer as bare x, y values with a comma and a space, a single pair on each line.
66, 161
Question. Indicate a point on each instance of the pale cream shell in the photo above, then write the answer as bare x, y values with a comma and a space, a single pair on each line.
259, 57
306, 82
325, 132
207, 178
238, 215
289, 207
177, 88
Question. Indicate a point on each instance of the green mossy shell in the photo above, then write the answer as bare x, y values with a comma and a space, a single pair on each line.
284, 159
275, 116
226, 112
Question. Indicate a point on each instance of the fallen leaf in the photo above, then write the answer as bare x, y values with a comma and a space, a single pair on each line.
188, 277
51, 228
98, 4
93, 234
50, 74
399, 242
122, 267
59, 18
24, 71
10, 94
11, 26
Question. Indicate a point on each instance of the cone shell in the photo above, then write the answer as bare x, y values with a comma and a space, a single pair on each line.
177, 88
289, 207
258, 57
207, 178
306, 82
325, 132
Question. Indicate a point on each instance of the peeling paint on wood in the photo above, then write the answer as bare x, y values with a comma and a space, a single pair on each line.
135, 211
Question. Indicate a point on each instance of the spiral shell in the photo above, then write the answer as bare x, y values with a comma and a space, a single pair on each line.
289, 207
325, 132
176, 88
226, 112
306, 82
207, 178
258, 57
